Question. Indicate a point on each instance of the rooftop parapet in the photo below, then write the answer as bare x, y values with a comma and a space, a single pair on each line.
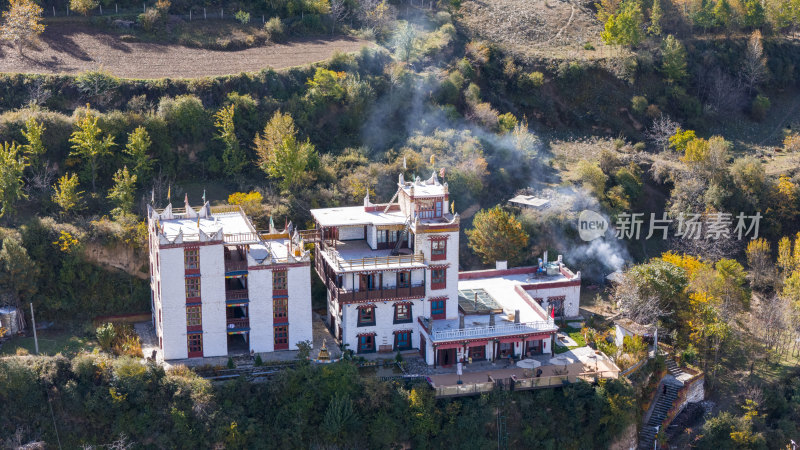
226, 224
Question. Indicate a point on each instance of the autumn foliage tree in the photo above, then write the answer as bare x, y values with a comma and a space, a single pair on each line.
21, 23
83, 6
66, 195
233, 157
281, 155
89, 144
760, 262
122, 193
12, 167
498, 236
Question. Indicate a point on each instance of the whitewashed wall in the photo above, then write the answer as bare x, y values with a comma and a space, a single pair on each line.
384, 324
300, 317
212, 293
422, 243
173, 304
260, 294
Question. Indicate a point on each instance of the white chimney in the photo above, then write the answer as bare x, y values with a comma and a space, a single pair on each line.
560, 260
516, 316
501, 265
545, 257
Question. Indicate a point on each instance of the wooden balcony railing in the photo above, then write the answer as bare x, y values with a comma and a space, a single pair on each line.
415, 291
240, 322
242, 238
235, 265
236, 294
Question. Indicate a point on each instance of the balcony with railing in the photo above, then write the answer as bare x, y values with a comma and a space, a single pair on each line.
384, 293
446, 330
238, 323
348, 256
235, 265
236, 294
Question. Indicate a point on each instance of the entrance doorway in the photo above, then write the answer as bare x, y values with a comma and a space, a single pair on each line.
534, 347
477, 353
506, 349
447, 357
237, 344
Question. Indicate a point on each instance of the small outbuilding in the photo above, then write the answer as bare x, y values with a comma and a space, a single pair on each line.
627, 327
10, 320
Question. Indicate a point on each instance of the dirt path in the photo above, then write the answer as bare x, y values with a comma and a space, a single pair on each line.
71, 50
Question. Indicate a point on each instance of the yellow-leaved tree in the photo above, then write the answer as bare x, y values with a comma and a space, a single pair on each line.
21, 23
498, 236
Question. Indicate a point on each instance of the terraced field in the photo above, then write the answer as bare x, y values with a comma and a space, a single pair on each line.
71, 48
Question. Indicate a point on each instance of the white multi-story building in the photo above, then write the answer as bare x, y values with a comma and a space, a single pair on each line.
391, 272
219, 287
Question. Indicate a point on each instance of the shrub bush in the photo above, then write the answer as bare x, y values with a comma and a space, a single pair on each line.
186, 116
639, 104
275, 29
242, 16
759, 108
536, 79
106, 335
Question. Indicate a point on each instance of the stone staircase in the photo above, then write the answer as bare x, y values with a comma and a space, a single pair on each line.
673, 369
663, 404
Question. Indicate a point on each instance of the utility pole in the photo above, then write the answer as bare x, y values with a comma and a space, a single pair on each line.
33, 324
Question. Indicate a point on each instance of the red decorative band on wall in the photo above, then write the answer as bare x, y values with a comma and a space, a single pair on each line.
475, 274
537, 337
402, 331
368, 305
366, 334
551, 285
280, 266
447, 346
439, 237
189, 244
192, 300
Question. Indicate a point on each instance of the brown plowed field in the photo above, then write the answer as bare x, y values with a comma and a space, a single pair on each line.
69, 48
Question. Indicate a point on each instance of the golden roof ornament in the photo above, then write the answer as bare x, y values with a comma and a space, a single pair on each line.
323, 352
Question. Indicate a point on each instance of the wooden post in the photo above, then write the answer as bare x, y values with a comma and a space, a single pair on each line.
221, 14
101, 10
204, 14
33, 325
190, 14
54, 11
116, 8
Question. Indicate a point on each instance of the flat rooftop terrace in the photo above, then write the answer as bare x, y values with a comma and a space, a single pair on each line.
231, 223
357, 254
356, 215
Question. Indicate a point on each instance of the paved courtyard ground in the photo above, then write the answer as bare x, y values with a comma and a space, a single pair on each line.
320, 332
